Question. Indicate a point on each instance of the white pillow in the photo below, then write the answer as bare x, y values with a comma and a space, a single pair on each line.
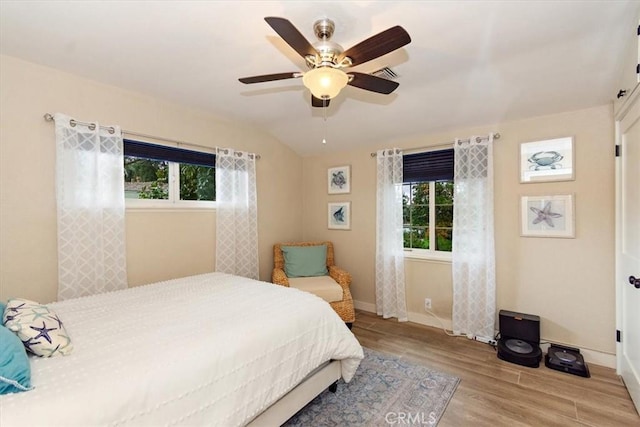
38, 327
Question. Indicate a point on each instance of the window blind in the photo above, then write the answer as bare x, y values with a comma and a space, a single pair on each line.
428, 166
171, 154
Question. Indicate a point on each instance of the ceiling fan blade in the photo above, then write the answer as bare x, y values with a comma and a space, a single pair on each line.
291, 35
269, 77
376, 46
373, 83
317, 102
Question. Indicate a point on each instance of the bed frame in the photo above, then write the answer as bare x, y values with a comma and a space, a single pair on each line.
315, 383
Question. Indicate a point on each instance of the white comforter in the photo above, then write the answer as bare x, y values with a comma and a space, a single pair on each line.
213, 349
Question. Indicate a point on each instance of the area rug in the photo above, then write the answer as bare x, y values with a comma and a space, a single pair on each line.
385, 391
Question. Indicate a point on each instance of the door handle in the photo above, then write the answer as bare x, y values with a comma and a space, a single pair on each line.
634, 281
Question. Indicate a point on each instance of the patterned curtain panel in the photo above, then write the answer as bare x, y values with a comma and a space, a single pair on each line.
90, 207
236, 213
390, 293
474, 279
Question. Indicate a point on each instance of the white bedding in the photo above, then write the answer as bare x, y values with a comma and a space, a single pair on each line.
213, 349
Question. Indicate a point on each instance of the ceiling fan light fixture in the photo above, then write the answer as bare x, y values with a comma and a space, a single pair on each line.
325, 82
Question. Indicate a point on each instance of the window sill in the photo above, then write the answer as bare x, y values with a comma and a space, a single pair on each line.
165, 205
441, 257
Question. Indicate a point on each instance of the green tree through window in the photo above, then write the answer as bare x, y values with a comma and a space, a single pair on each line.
444, 215
428, 215
149, 179
146, 178
197, 182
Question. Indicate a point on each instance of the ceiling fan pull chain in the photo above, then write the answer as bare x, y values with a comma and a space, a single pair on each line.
324, 110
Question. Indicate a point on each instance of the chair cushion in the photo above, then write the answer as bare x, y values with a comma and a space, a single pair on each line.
323, 286
305, 261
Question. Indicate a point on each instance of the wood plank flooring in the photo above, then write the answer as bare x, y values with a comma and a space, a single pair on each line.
493, 392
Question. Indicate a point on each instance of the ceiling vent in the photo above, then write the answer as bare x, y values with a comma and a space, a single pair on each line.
385, 73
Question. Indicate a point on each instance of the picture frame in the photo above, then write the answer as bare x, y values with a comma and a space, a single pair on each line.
339, 215
547, 160
339, 180
547, 216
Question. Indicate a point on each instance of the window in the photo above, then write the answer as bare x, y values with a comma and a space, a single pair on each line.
427, 201
160, 176
428, 219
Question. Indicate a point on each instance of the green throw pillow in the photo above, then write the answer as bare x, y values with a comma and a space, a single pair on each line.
305, 261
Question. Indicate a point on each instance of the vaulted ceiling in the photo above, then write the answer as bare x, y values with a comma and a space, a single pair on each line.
469, 63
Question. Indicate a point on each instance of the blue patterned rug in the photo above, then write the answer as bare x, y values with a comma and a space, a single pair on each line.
385, 391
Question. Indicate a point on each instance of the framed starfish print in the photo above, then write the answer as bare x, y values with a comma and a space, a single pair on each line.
547, 216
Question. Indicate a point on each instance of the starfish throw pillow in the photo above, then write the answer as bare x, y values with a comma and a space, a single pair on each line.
38, 327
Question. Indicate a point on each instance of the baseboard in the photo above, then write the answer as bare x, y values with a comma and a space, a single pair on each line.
422, 319
364, 306
429, 320
596, 357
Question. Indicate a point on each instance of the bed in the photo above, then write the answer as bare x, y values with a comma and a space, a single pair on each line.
212, 349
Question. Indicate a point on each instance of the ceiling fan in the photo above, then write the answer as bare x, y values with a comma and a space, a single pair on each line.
327, 60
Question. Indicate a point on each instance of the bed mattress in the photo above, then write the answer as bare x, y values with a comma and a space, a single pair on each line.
212, 349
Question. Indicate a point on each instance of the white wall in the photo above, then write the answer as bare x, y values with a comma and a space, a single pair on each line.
160, 244
569, 283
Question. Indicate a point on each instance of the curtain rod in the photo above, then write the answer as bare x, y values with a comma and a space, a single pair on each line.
478, 139
49, 117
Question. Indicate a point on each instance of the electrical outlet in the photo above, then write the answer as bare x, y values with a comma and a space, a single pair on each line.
427, 303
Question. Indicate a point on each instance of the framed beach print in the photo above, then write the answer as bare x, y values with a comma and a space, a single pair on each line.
339, 180
548, 160
339, 216
547, 216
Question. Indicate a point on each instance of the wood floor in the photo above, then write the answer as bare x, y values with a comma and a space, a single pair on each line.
497, 393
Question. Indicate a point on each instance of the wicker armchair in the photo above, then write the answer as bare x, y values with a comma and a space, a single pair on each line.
344, 307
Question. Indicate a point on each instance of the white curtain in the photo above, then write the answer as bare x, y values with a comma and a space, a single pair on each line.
474, 287
390, 293
236, 213
90, 207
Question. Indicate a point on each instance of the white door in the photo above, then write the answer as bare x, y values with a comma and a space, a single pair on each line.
628, 244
